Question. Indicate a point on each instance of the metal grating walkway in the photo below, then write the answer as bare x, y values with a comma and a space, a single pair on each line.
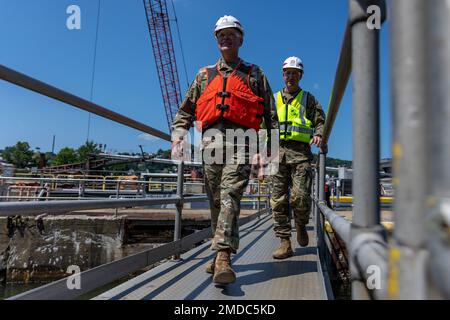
259, 276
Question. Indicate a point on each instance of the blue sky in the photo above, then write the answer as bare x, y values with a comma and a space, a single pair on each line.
35, 40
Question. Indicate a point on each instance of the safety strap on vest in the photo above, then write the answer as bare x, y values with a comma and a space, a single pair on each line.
214, 71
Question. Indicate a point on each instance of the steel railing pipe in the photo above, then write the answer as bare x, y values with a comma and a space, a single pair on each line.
410, 106
339, 224
340, 83
366, 103
179, 205
175, 162
45, 89
437, 146
369, 252
53, 207
321, 197
366, 155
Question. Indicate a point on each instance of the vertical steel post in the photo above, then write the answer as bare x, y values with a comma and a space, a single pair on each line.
117, 195
321, 197
437, 148
316, 197
312, 194
406, 278
322, 158
259, 199
179, 205
365, 64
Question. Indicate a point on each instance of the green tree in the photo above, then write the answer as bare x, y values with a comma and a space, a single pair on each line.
90, 147
65, 156
49, 157
20, 154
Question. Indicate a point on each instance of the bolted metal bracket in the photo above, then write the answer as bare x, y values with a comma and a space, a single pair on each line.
363, 238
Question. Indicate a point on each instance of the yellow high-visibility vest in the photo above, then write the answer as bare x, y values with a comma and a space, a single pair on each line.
292, 118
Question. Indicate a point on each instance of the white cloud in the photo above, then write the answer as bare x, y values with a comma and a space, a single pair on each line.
147, 137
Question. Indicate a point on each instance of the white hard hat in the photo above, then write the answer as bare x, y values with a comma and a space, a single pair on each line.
293, 62
228, 22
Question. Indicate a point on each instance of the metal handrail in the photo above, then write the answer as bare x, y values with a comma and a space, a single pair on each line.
75, 180
340, 83
38, 86
363, 235
340, 225
39, 207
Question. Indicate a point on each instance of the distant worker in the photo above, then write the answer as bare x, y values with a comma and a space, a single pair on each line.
301, 124
232, 94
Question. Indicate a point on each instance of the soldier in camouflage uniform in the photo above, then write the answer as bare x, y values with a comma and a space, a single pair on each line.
301, 124
225, 182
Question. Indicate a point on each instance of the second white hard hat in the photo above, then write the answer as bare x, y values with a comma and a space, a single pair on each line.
293, 62
228, 22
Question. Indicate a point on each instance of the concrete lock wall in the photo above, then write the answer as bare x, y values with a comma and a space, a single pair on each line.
30, 256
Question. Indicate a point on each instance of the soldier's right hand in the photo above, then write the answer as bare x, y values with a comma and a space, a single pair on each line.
258, 166
177, 150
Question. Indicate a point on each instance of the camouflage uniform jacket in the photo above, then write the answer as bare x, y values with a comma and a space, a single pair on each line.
258, 83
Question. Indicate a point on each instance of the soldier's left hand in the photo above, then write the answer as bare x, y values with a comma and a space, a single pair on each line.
317, 140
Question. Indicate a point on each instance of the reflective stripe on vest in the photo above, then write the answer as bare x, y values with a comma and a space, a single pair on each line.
231, 98
294, 125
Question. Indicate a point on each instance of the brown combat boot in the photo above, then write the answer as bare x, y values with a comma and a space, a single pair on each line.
285, 249
223, 273
302, 235
210, 266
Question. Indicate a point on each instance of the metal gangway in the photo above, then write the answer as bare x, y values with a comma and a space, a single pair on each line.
410, 264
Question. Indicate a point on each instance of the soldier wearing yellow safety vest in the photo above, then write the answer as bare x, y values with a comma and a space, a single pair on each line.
301, 121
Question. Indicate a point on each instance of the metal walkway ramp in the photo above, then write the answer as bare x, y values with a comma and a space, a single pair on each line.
259, 276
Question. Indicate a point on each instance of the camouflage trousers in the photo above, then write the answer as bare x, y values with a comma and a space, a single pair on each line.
225, 184
294, 179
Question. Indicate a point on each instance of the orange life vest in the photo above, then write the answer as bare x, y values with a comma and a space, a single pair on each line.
230, 98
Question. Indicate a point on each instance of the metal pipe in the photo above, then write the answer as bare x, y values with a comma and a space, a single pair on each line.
365, 61
365, 64
322, 158
321, 194
69, 180
316, 197
439, 262
410, 106
175, 162
35, 208
339, 224
437, 146
259, 199
340, 83
179, 205
35, 85
369, 252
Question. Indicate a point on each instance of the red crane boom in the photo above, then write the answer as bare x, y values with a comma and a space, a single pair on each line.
161, 37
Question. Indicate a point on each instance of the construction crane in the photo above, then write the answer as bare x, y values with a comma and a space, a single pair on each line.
161, 37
